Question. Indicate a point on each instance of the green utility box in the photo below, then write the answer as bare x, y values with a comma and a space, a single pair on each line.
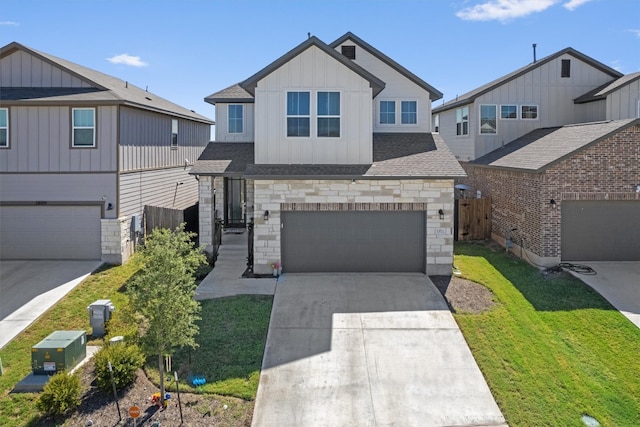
59, 351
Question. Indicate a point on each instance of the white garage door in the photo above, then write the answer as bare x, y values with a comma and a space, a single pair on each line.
50, 232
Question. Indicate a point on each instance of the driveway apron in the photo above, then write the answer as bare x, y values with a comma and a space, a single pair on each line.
368, 350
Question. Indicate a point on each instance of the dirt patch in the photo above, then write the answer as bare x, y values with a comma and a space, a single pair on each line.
464, 296
99, 408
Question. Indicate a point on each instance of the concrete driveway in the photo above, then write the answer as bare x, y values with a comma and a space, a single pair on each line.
618, 282
29, 288
368, 350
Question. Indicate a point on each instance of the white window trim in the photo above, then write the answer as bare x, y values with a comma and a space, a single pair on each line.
229, 119
398, 113
74, 127
318, 116
395, 112
637, 114
313, 114
417, 123
176, 133
296, 116
509, 105
462, 134
480, 119
436, 123
6, 110
529, 105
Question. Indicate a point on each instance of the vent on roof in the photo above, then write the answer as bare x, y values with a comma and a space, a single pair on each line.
566, 68
349, 51
146, 97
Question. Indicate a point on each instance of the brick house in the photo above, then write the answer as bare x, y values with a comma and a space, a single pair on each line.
569, 193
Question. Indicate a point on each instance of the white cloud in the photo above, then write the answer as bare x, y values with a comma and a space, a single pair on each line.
10, 23
636, 32
503, 10
574, 4
127, 59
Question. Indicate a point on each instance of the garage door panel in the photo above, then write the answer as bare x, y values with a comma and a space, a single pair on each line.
353, 241
50, 232
600, 230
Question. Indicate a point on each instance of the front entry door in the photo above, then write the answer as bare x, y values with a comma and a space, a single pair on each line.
234, 196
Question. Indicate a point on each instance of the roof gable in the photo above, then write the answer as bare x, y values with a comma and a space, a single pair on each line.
601, 92
250, 84
470, 96
233, 93
434, 94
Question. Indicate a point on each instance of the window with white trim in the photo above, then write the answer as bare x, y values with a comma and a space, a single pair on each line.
409, 112
236, 118
508, 112
529, 112
436, 123
174, 133
298, 114
328, 114
84, 127
387, 112
488, 119
4, 128
462, 121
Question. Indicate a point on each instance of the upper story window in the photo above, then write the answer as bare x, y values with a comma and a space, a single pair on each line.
329, 114
298, 114
349, 51
566, 68
529, 112
436, 123
462, 121
174, 133
236, 118
4, 128
508, 112
387, 112
488, 122
84, 127
409, 112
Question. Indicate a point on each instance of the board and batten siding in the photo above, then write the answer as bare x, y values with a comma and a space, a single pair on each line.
624, 103
159, 187
222, 124
21, 69
462, 146
313, 70
40, 141
145, 140
397, 88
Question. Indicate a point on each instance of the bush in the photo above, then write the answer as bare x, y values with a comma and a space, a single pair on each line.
60, 394
125, 360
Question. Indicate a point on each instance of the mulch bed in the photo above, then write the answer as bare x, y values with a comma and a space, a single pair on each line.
464, 296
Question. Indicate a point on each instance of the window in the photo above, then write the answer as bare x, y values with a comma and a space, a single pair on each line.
83, 134
174, 133
529, 112
488, 122
508, 112
387, 112
408, 112
236, 114
329, 114
4, 127
298, 120
349, 51
436, 123
566, 68
462, 121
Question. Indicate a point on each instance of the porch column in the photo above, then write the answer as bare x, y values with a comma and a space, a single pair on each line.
207, 212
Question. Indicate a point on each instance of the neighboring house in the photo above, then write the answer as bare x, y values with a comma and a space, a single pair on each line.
81, 154
329, 152
546, 93
572, 193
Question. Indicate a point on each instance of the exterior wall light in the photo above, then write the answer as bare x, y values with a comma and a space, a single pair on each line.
109, 207
266, 215
441, 213
638, 188
553, 203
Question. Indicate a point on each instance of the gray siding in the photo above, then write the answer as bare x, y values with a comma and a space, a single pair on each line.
145, 140
21, 69
222, 124
624, 102
157, 188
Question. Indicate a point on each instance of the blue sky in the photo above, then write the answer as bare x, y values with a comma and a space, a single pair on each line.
186, 50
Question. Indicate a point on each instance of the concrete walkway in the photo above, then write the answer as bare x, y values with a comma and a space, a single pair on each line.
368, 350
226, 277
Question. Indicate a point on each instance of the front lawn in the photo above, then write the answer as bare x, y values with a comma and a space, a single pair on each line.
553, 349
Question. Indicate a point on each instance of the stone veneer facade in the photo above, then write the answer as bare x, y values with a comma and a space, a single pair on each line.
117, 245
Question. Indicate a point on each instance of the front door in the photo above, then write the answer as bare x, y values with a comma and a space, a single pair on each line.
234, 197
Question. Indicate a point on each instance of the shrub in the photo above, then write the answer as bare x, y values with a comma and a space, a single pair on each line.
60, 394
125, 360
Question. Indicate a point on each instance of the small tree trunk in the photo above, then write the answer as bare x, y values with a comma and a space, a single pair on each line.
161, 370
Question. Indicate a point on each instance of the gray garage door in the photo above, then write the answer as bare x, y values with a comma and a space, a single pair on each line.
600, 231
50, 232
353, 241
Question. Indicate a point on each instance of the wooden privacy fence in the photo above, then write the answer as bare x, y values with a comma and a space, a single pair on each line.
157, 217
473, 219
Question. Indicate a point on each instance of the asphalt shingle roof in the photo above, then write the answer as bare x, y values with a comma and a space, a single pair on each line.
233, 93
224, 158
604, 90
540, 148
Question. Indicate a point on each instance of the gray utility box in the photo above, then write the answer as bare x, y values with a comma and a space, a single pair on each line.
59, 351
99, 314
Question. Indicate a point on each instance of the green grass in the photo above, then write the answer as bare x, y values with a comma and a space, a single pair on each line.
553, 349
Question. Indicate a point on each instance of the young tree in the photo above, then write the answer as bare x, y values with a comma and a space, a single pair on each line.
162, 293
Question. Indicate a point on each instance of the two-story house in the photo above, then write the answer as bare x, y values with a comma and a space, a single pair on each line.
81, 154
329, 152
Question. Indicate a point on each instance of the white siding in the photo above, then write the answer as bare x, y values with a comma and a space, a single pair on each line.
397, 87
313, 70
222, 124
623, 103
462, 146
40, 141
21, 69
